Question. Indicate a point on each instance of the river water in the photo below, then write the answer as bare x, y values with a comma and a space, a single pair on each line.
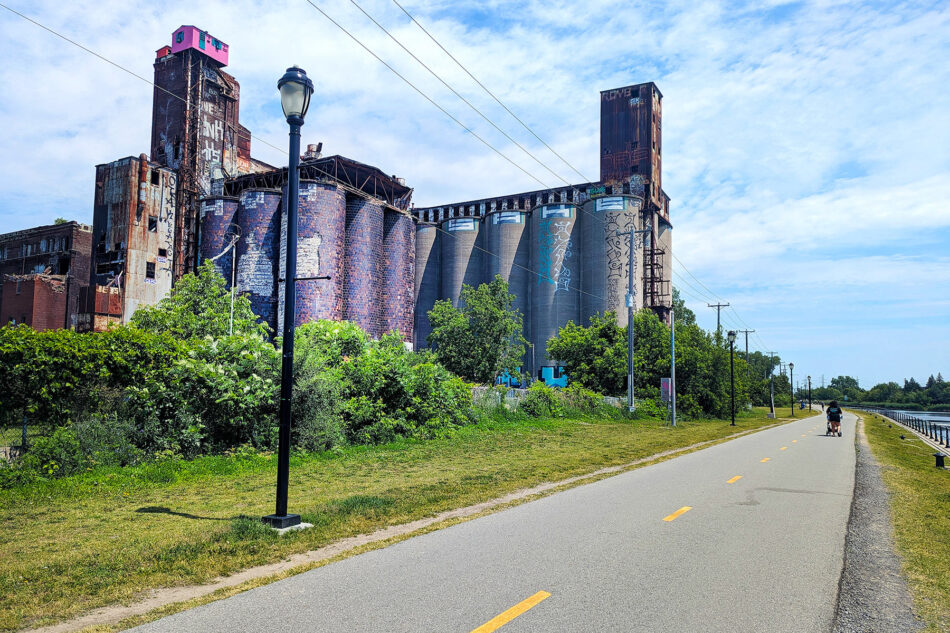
937, 417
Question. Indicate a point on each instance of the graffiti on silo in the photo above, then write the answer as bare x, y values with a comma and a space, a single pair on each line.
217, 218
257, 249
607, 254
555, 246
321, 217
556, 294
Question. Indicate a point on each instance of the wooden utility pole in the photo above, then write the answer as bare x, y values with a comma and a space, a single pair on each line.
719, 307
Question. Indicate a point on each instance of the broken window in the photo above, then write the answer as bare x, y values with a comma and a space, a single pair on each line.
150, 270
162, 252
152, 224
155, 177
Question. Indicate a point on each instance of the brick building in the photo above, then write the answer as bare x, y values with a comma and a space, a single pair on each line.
44, 271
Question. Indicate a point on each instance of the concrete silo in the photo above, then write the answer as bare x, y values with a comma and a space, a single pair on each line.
399, 258
427, 279
217, 215
258, 250
461, 256
555, 293
509, 254
321, 231
607, 254
362, 296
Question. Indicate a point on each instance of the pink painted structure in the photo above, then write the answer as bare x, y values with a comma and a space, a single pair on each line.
192, 37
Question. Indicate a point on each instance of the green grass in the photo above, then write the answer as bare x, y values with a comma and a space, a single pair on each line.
105, 537
920, 511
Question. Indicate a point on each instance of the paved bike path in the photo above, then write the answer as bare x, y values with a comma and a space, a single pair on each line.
759, 553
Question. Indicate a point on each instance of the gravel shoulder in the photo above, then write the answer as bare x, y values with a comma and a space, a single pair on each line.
872, 596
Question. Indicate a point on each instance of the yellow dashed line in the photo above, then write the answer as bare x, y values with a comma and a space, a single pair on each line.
784, 448
765, 459
679, 512
504, 618
734, 479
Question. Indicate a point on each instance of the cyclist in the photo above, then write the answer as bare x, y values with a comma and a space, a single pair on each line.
834, 418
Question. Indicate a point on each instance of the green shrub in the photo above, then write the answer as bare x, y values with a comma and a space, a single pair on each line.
57, 455
541, 400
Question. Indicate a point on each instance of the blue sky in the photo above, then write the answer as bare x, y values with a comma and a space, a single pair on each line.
806, 144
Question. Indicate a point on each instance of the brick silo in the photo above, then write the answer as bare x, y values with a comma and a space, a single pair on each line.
258, 249
321, 238
218, 214
363, 264
399, 257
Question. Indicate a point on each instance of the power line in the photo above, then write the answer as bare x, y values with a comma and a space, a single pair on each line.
427, 97
490, 93
456, 93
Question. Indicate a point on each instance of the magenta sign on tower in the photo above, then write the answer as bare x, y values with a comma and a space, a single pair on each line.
193, 37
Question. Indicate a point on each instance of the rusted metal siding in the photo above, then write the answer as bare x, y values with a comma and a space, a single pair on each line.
631, 140
134, 231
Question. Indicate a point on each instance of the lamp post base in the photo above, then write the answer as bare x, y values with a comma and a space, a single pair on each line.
280, 522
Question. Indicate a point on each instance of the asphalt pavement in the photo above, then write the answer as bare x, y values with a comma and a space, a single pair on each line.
747, 535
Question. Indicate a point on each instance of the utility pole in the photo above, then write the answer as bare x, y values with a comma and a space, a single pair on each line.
631, 308
771, 385
673, 365
719, 307
746, 332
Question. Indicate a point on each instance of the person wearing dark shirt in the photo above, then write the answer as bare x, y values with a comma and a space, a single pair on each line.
834, 418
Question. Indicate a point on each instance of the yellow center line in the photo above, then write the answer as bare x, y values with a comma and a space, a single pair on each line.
794, 441
784, 448
803, 435
765, 459
679, 512
734, 479
504, 618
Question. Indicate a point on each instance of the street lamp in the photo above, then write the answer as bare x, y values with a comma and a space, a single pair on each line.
791, 384
809, 393
732, 372
295, 90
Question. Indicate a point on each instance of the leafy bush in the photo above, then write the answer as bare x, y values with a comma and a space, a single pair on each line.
541, 400
57, 455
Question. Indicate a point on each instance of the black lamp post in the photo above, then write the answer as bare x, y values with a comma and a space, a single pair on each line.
732, 372
791, 384
295, 90
809, 393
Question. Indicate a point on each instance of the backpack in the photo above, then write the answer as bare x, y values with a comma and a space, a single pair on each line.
834, 414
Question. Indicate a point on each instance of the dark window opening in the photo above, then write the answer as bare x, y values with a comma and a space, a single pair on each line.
152, 224
162, 252
155, 177
634, 169
150, 270
179, 37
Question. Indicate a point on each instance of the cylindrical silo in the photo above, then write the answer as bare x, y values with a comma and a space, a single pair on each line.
321, 234
428, 279
555, 296
509, 255
363, 297
607, 254
399, 258
461, 256
258, 250
217, 217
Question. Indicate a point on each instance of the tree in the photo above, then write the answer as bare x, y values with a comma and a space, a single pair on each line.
681, 312
59, 221
596, 355
482, 337
199, 306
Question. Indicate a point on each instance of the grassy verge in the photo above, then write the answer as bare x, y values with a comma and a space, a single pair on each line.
920, 511
107, 536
